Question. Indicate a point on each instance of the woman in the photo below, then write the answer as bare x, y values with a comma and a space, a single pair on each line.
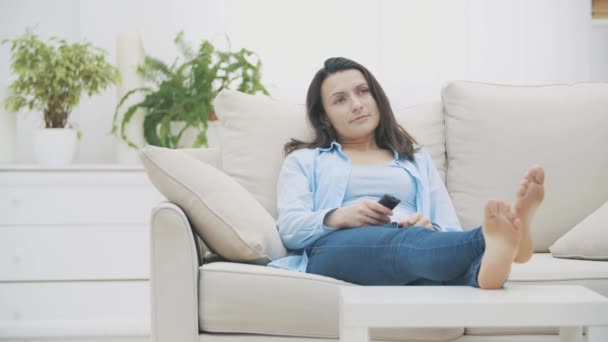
328, 192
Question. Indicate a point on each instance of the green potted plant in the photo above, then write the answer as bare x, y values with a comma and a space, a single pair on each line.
180, 97
51, 77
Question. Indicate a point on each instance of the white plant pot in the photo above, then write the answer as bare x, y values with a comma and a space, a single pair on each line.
54, 146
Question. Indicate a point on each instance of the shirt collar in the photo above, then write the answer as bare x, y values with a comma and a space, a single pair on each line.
406, 164
335, 144
396, 154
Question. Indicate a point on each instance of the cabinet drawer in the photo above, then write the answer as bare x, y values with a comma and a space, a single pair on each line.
76, 197
83, 252
77, 204
42, 309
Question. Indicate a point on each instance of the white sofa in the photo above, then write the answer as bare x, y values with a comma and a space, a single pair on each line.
482, 138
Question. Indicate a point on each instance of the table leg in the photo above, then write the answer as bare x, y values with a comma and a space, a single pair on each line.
597, 333
570, 334
354, 334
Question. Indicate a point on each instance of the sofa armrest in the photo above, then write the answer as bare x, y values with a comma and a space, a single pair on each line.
174, 263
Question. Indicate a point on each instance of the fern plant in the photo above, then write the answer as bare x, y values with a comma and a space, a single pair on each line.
185, 90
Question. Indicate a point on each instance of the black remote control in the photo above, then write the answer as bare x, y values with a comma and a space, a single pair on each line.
389, 201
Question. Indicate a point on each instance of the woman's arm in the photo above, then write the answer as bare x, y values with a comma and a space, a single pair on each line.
299, 226
365, 212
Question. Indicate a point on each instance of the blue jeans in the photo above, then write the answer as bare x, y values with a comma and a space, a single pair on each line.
380, 255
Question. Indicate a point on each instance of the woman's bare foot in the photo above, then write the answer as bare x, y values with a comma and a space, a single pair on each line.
502, 233
530, 194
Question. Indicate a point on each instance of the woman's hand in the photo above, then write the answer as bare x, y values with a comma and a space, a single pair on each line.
417, 220
366, 212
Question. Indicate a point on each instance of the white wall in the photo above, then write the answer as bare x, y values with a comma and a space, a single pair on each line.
412, 47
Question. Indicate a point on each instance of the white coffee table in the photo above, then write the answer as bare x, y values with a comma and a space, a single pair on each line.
569, 307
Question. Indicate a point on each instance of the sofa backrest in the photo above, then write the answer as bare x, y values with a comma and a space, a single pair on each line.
210, 155
496, 132
255, 128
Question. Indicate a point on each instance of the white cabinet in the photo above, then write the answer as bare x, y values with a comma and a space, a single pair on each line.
74, 252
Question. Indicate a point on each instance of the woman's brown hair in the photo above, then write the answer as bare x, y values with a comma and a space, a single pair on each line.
389, 134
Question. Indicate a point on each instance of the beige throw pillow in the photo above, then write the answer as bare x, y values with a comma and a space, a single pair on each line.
255, 128
225, 215
587, 240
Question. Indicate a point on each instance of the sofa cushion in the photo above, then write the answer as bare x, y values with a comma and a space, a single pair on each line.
239, 298
228, 303
425, 123
588, 240
255, 128
226, 217
545, 269
496, 132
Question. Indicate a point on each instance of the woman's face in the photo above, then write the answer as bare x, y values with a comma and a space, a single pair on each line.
350, 106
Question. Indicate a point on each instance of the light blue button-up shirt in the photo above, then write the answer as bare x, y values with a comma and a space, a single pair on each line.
312, 182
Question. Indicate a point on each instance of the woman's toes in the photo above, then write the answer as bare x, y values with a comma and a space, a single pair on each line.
510, 215
523, 186
537, 174
521, 191
540, 175
491, 208
516, 223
